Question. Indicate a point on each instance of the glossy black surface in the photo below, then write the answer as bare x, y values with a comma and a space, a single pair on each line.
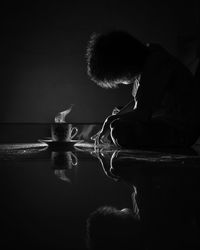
47, 195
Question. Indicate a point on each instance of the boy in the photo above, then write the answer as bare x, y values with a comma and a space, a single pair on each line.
163, 111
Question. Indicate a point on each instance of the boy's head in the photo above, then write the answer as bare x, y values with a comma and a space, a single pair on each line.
115, 57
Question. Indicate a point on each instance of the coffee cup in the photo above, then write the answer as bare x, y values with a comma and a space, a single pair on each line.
63, 132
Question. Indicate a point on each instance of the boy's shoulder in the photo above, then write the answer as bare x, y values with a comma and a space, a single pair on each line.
157, 50
164, 57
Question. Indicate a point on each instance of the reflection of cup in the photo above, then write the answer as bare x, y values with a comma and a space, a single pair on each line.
60, 173
62, 132
62, 160
64, 164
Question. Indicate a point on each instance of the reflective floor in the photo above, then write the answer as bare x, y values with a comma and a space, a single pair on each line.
48, 195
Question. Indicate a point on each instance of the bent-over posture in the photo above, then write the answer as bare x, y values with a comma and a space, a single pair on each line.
163, 111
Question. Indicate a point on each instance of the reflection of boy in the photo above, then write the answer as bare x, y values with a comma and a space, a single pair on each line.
163, 111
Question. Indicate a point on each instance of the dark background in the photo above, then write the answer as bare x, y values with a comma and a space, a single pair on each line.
43, 68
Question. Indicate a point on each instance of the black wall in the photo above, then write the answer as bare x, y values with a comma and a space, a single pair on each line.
43, 52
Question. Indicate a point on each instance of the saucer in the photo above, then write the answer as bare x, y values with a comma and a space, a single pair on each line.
59, 144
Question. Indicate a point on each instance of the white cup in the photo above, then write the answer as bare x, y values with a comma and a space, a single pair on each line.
63, 132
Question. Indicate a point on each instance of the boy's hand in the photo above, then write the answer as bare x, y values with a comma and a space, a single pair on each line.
115, 111
104, 133
101, 139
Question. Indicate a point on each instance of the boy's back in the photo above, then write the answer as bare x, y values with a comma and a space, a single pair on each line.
168, 88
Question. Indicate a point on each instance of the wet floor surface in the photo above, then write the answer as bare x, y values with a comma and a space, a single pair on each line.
47, 195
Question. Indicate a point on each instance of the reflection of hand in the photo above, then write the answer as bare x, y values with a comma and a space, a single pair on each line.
136, 210
108, 168
104, 158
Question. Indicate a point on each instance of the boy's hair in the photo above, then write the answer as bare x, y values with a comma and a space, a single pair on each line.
113, 57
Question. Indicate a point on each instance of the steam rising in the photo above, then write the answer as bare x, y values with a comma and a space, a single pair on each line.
60, 117
86, 131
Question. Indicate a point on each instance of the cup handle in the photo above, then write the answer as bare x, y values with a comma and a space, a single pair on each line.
74, 160
74, 131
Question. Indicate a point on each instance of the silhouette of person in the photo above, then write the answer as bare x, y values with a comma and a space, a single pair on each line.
163, 111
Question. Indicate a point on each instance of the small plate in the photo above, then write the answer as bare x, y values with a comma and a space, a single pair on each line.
56, 144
